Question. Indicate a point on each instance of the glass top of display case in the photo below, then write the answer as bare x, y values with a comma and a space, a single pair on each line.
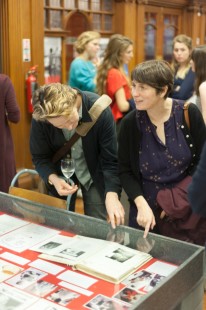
188, 257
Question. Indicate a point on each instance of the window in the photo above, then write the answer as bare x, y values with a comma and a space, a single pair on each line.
99, 11
170, 31
61, 30
161, 26
150, 35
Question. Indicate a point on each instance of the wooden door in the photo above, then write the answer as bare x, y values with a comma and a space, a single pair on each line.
77, 22
161, 26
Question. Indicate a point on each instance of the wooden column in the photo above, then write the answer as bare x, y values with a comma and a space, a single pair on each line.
140, 32
197, 13
127, 14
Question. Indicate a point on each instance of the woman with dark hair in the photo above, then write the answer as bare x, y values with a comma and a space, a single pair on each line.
198, 63
156, 148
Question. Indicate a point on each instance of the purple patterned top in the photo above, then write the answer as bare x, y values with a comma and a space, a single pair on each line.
162, 165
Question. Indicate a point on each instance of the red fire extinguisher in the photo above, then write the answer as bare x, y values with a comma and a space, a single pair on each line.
31, 86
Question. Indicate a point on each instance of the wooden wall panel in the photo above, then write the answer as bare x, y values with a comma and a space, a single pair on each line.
119, 20
140, 33
37, 37
130, 29
19, 27
4, 34
125, 23
21, 19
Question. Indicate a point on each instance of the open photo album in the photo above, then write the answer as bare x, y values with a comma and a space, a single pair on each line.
106, 260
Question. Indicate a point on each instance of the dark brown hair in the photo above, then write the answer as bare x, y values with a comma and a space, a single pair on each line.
199, 58
155, 73
117, 45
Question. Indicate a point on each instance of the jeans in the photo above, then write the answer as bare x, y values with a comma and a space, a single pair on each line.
94, 205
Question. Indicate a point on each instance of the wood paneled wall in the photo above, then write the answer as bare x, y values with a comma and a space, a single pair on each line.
24, 19
130, 14
21, 19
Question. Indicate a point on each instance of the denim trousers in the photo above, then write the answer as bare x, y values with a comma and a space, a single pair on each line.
94, 205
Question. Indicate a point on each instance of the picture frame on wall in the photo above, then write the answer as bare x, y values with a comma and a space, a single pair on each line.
52, 60
103, 44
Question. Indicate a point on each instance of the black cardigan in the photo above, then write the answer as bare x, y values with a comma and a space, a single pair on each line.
129, 144
197, 190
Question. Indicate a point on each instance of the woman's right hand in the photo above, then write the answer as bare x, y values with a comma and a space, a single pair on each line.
145, 216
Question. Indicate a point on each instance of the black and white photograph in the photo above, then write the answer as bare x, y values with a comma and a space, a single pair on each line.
41, 288
71, 252
63, 297
26, 278
121, 255
13, 299
52, 60
101, 302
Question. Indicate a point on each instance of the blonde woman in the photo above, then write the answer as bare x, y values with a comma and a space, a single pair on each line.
184, 76
83, 68
111, 77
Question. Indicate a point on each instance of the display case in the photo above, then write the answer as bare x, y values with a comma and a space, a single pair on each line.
181, 290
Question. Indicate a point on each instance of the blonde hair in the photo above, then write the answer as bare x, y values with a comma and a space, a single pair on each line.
117, 45
84, 38
53, 100
182, 38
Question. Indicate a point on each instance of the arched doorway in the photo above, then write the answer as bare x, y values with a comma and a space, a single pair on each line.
76, 23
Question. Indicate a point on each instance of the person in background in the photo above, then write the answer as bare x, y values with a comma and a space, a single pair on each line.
57, 110
9, 112
198, 64
112, 78
197, 189
83, 68
156, 148
184, 76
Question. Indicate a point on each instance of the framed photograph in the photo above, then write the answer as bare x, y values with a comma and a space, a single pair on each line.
52, 59
103, 44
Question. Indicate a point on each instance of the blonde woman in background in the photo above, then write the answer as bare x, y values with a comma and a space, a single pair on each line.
111, 76
198, 63
83, 68
184, 76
